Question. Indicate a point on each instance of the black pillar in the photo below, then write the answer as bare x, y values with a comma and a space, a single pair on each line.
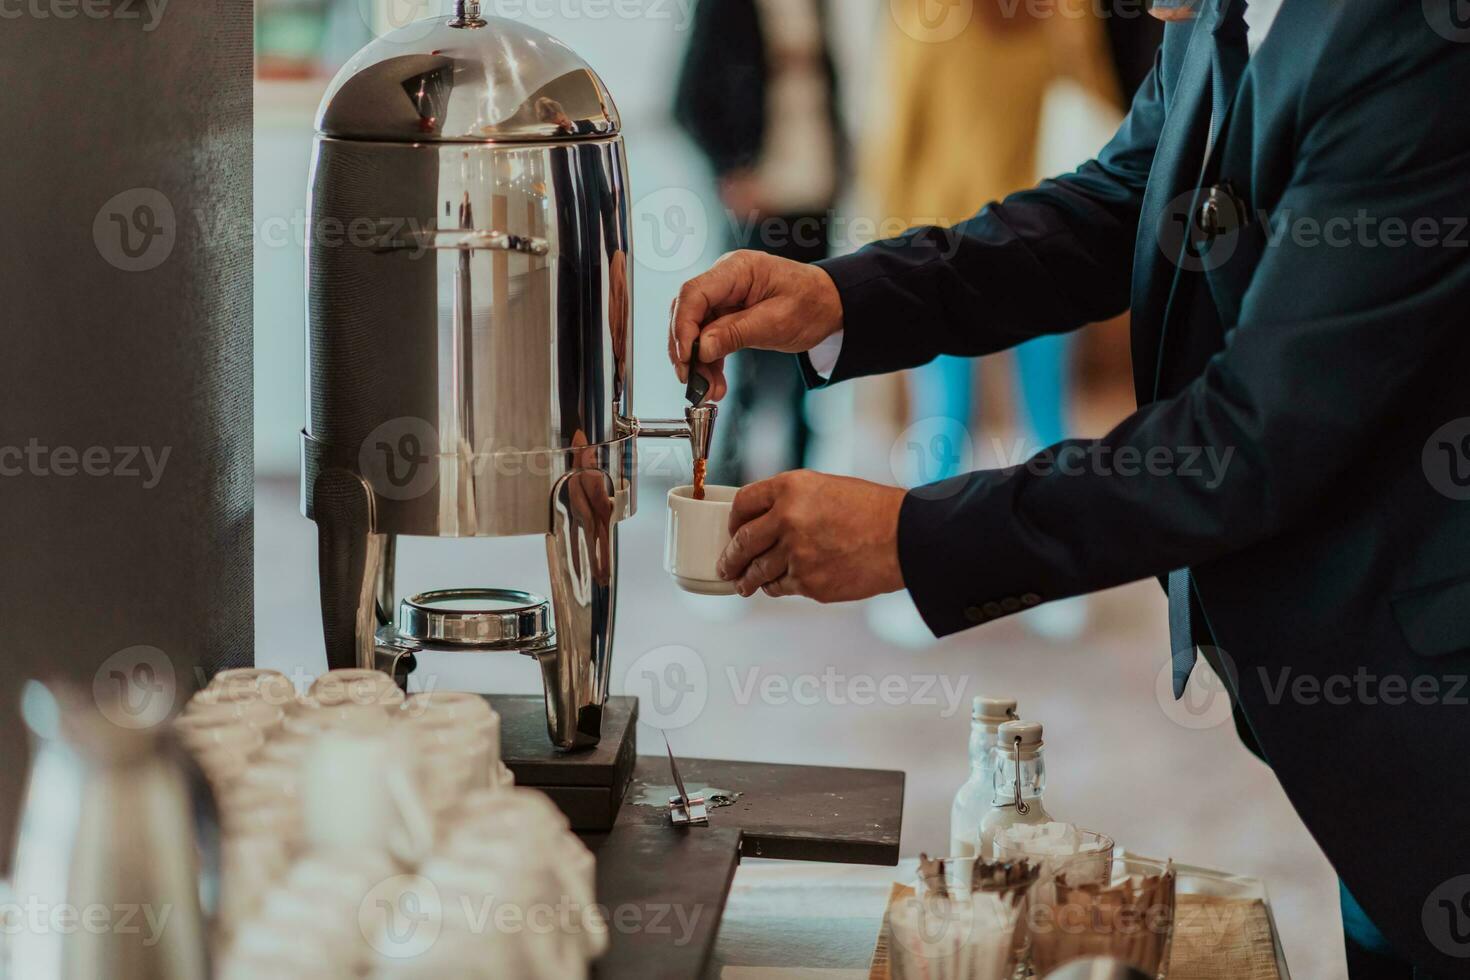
125, 352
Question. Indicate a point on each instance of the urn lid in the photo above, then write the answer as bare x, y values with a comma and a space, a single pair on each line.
465, 78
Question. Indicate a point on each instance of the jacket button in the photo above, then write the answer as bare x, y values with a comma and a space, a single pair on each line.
992, 609
1010, 604
975, 614
1030, 599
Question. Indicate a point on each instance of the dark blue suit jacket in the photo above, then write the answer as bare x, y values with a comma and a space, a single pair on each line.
1325, 343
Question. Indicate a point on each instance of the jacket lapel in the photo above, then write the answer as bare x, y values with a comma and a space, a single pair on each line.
1166, 202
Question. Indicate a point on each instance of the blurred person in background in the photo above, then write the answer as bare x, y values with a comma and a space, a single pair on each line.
964, 127
758, 95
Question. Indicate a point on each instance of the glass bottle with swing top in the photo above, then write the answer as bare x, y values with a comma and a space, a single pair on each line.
974, 798
1020, 779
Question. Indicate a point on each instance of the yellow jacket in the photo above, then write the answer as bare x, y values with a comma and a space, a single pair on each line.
965, 101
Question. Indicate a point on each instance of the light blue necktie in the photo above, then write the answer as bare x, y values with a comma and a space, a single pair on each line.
1181, 634
1231, 55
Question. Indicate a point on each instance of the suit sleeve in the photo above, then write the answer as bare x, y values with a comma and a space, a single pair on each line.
1046, 260
1336, 331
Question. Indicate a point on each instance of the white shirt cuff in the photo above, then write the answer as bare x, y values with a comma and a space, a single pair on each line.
824, 356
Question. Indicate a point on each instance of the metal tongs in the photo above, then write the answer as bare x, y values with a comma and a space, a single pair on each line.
684, 810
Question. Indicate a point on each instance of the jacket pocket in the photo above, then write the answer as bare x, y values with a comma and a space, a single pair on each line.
1230, 264
1435, 619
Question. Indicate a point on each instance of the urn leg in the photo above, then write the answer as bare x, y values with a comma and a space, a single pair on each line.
582, 554
350, 557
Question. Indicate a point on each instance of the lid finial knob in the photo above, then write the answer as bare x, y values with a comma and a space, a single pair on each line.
467, 14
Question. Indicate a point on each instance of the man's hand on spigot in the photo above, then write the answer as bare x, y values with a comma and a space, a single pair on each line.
830, 538
750, 299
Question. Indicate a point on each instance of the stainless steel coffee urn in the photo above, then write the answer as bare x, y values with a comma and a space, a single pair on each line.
470, 347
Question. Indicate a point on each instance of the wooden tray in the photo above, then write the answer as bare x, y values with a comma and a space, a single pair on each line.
1214, 939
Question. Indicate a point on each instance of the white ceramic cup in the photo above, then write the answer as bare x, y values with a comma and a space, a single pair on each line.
699, 532
357, 792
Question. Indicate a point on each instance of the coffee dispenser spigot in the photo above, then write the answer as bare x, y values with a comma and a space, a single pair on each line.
698, 427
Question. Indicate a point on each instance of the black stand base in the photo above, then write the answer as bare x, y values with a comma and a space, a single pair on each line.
587, 785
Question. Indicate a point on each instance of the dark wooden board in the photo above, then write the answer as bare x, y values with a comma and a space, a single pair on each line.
664, 889
669, 885
588, 808
803, 813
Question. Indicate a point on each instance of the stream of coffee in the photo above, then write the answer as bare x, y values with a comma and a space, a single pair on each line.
700, 465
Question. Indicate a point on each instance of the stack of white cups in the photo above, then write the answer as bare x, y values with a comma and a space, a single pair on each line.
226, 727
517, 890
352, 805
455, 738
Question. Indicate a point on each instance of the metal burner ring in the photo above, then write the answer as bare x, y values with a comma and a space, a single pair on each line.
505, 618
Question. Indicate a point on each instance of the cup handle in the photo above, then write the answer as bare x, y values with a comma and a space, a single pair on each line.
413, 838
